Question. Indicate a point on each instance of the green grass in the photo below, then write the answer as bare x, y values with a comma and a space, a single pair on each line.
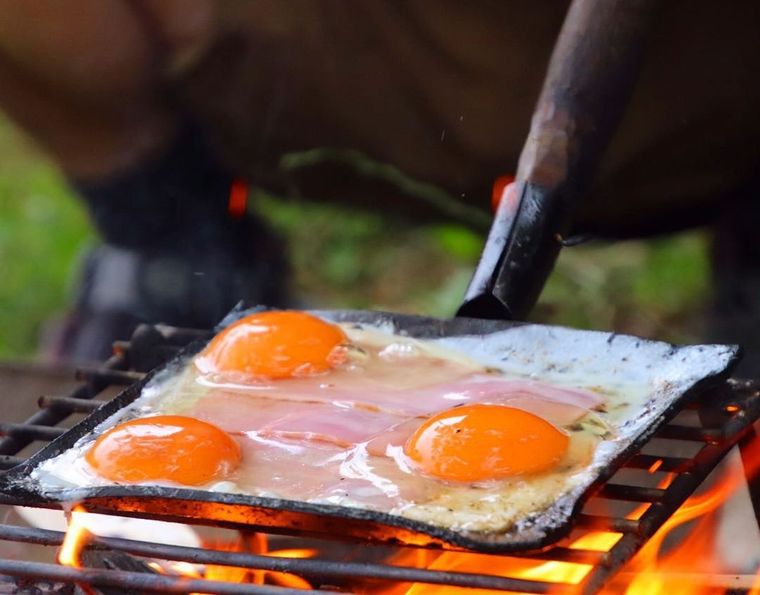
42, 229
344, 259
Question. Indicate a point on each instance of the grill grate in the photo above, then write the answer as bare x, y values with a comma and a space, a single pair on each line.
709, 429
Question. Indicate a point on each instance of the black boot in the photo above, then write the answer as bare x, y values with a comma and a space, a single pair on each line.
172, 253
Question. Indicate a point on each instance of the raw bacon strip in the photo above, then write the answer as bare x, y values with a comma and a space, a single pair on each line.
327, 474
235, 412
355, 390
291, 420
481, 388
560, 414
344, 427
297, 472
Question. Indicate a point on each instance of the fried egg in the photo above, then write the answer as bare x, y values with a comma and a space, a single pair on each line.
484, 442
174, 448
287, 405
273, 345
477, 435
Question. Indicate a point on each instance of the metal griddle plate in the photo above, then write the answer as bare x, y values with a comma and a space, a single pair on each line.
675, 373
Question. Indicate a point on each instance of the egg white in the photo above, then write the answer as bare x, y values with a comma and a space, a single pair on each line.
490, 508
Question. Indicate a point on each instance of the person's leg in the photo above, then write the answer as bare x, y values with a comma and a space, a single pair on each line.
734, 316
172, 253
88, 79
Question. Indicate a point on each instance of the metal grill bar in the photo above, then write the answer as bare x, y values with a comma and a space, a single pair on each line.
682, 486
631, 493
139, 582
753, 479
714, 439
665, 464
68, 404
29, 431
49, 417
300, 566
107, 376
690, 433
608, 523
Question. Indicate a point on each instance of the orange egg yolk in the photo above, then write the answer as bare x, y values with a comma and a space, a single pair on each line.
483, 442
274, 345
165, 447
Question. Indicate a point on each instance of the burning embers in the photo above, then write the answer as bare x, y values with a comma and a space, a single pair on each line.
79, 536
691, 567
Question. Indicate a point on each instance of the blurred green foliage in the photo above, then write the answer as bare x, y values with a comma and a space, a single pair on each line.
344, 259
654, 289
42, 229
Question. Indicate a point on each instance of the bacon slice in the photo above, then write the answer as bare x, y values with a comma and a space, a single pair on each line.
293, 471
290, 420
379, 398
341, 426
327, 474
358, 391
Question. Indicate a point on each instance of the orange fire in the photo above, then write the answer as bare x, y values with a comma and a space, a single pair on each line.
656, 569
656, 573
524, 568
755, 590
651, 572
77, 537
256, 543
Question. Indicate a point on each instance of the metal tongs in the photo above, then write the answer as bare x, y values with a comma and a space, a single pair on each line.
591, 76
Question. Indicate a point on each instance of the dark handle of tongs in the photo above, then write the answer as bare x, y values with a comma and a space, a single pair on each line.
590, 78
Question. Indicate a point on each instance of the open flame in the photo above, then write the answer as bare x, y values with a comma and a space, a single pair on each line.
256, 543
651, 572
656, 569
236, 574
656, 573
78, 536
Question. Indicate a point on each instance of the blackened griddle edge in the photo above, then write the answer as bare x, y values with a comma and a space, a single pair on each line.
288, 516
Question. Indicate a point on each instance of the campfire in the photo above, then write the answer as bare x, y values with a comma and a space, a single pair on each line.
78, 537
691, 567
653, 528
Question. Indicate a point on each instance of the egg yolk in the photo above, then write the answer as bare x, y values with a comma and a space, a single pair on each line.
165, 447
273, 345
482, 442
